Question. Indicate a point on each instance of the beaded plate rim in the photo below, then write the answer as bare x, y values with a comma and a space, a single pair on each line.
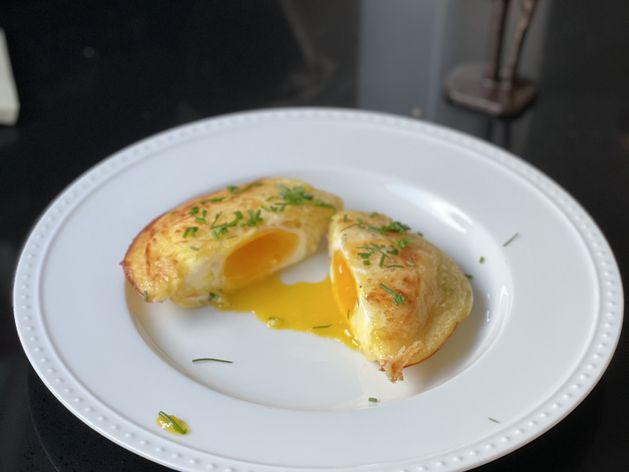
31, 329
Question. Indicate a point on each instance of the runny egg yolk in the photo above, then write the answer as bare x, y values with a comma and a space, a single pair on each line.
304, 306
258, 257
343, 284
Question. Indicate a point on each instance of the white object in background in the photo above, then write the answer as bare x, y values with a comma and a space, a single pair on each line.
9, 104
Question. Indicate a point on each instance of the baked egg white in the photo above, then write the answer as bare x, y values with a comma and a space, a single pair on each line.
403, 297
215, 244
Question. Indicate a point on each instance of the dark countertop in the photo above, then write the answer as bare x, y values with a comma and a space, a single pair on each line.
94, 77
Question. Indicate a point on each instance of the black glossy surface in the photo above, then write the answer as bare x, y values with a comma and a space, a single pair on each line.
96, 76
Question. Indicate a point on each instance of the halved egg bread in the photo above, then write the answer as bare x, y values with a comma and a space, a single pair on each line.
403, 297
217, 243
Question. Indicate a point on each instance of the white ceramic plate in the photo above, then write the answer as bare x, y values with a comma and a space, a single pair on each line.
547, 314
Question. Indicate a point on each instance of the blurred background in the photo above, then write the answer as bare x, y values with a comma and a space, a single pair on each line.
93, 77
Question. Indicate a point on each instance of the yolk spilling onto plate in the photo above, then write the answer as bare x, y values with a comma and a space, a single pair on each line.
304, 306
344, 284
258, 257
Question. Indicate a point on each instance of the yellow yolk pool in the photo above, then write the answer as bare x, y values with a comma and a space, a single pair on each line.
304, 306
258, 257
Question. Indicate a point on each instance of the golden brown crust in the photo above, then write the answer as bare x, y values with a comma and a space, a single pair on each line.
411, 295
179, 255
138, 241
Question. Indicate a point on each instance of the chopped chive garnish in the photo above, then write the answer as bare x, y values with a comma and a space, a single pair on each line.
298, 196
219, 230
212, 297
194, 210
212, 359
146, 296
402, 243
200, 219
295, 196
359, 223
273, 322
212, 200
510, 240
273, 208
254, 218
398, 298
481, 259
235, 189
469, 276
493, 419
384, 251
373, 400
190, 231
194, 248
394, 227
216, 217
391, 227
321, 326
173, 423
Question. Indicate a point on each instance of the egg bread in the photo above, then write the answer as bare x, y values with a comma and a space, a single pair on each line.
403, 296
197, 253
